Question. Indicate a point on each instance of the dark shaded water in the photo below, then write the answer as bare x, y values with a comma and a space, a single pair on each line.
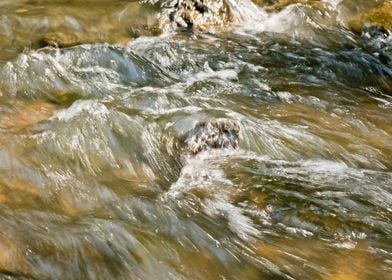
93, 184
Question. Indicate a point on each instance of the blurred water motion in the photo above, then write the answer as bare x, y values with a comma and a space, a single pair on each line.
94, 107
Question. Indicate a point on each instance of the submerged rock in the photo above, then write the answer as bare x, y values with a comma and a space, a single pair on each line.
378, 17
381, 16
212, 134
63, 40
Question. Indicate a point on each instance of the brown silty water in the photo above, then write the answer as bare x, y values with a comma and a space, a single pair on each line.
195, 139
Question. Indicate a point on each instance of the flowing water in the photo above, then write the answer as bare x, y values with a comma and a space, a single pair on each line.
93, 181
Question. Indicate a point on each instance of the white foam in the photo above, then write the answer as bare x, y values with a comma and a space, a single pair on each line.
203, 171
91, 106
346, 245
238, 222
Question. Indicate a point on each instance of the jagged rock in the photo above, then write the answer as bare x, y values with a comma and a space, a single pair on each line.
212, 134
205, 14
193, 13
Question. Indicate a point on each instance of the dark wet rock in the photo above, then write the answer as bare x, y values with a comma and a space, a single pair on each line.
375, 32
377, 40
212, 134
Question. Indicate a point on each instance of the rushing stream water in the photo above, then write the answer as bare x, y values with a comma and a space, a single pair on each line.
94, 182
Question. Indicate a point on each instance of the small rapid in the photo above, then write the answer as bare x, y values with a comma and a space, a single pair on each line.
96, 181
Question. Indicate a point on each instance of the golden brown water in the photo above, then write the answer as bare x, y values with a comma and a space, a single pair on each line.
93, 182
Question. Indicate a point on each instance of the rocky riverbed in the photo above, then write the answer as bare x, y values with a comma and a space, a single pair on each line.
195, 139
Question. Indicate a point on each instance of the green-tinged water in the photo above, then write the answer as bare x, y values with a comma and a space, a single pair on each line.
94, 183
